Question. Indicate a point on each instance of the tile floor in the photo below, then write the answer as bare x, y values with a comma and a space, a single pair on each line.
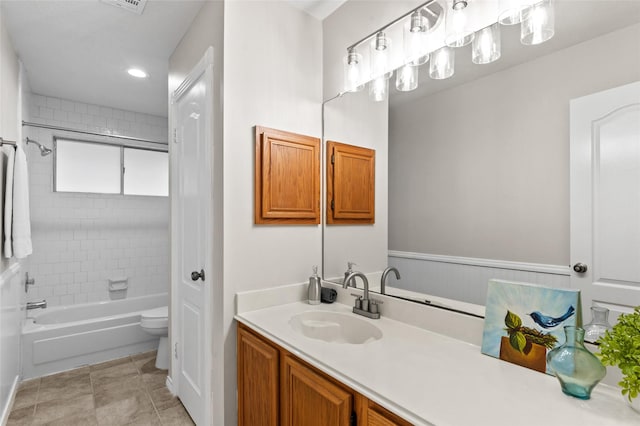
125, 391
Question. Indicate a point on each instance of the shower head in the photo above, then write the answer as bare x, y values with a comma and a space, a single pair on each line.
44, 151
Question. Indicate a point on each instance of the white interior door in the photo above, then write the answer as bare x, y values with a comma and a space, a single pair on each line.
192, 255
605, 198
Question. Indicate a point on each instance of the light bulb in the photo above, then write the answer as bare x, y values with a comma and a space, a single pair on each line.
379, 51
379, 89
538, 23
415, 31
442, 63
407, 78
486, 45
510, 11
353, 74
457, 31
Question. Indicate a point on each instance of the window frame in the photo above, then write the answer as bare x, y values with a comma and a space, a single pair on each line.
120, 145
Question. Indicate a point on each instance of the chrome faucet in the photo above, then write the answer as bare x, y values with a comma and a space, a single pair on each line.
35, 305
363, 305
383, 280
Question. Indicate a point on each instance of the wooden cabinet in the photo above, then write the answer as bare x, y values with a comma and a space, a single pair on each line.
350, 184
375, 415
287, 178
310, 398
258, 381
277, 388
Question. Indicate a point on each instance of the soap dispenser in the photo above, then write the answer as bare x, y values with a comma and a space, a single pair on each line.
352, 281
315, 287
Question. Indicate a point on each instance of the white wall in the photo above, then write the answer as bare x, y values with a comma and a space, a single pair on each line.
81, 240
493, 183
273, 78
355, 120
10, 314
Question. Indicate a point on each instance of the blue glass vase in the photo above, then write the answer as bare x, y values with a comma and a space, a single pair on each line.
577, 369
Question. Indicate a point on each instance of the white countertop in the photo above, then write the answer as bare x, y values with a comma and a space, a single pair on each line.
431, 379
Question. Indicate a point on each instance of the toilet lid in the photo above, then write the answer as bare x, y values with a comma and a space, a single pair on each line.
161, 312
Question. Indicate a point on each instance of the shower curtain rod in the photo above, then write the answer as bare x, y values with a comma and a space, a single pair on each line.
67, 129
4, 141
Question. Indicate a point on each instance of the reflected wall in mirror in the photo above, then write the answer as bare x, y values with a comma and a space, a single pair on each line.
478, 165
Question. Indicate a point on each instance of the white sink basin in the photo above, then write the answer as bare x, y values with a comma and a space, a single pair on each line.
334, 327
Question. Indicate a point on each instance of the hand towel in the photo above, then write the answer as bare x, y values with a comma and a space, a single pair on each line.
21, 215
10, 152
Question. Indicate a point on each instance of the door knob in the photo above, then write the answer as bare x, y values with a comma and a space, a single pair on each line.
580, 268
195, 275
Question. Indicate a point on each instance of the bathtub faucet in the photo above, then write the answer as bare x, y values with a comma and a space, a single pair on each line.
36, 305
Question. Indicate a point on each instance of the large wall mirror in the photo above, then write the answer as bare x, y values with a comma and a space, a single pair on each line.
473, 172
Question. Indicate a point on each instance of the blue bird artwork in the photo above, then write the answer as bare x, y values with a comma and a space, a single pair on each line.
546, 321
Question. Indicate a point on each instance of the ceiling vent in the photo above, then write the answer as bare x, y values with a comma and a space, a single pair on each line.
135, 6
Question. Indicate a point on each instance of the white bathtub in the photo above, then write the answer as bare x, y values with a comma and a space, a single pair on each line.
65, 337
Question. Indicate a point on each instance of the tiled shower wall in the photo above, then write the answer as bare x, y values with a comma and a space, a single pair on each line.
80, 241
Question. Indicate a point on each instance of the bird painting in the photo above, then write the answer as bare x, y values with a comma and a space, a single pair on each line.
546, 321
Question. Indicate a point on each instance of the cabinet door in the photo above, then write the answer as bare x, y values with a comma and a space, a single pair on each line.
258, 381
310, 399
372, 414
350, 184
287, 178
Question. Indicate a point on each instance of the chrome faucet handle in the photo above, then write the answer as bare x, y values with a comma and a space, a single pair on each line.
373, 306
358, 302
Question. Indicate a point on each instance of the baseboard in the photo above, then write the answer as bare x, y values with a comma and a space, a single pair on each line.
6, 411
488, 263
169, 384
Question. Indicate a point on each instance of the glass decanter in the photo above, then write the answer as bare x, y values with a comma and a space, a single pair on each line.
598, 325
577, 369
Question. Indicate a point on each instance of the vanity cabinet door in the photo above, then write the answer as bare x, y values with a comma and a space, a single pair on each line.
378, 416
258, 381
310, 399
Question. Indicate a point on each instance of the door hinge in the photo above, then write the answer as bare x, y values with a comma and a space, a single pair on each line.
333, 159
353, 421
175, 350
333, 205
175, 135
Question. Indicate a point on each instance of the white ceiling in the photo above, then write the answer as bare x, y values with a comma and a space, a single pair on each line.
319, 9
81, 49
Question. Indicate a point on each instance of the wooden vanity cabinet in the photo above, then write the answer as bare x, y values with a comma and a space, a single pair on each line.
310, 398
277, 388
258, 380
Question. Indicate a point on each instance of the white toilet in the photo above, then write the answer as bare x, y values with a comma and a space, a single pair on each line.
156, 322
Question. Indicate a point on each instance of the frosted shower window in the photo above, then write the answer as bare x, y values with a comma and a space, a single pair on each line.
146, 172
87, 167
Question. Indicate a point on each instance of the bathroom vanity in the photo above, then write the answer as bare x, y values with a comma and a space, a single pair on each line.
405, 374
275, 387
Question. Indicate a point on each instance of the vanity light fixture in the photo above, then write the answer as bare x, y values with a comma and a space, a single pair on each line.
486, 45
457, 30
353, 73
137, 72
424, 40
538, 23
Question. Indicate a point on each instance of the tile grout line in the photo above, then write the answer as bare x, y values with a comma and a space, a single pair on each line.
146, 390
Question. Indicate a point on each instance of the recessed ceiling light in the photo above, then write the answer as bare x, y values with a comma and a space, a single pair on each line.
137, 72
